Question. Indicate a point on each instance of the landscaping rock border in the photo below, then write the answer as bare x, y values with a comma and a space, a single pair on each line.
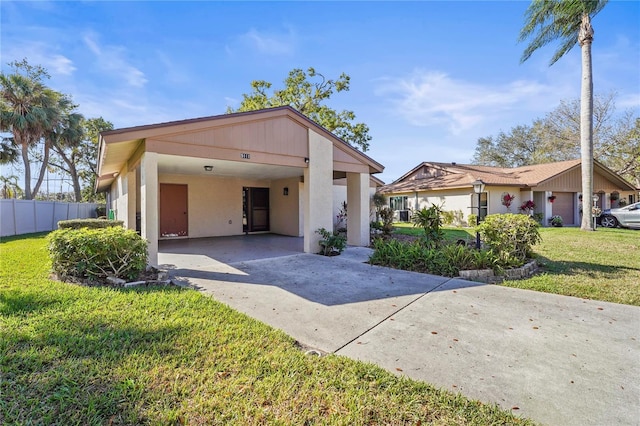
487, 275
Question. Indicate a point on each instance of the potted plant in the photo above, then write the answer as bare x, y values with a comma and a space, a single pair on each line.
552, 198
556, 221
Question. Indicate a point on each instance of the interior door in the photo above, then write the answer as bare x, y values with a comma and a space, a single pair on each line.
256, 209
174, 214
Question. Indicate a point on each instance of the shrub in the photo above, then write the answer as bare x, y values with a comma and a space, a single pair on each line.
430, 220
472, 220
386, 214
510, 237
453, 217
447, 260
89, 223
101, 210
95, 254
447, 218
331, 243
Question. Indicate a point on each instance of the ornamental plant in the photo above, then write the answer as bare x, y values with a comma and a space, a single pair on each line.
510, 237
528, 206
92, 255
507, 199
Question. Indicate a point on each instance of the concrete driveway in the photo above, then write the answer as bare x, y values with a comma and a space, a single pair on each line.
558, 360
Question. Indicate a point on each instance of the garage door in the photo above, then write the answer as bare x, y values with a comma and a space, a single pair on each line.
564, 206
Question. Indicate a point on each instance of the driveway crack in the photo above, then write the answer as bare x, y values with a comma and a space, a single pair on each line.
391, 314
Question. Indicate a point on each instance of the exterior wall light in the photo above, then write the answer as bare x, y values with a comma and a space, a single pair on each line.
208, 168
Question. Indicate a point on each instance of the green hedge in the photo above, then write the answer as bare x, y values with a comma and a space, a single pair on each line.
510, 237
89, 223
95, 254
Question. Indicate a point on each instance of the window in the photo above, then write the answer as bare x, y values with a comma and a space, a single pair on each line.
398, 203
631, 199
484, 205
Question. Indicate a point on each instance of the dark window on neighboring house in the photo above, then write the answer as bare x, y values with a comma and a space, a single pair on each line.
631, 199
398, 203
484, 205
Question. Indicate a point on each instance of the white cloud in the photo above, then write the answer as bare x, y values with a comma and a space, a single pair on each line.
38, 53
112, 59
273, 44
427, 98
62, 65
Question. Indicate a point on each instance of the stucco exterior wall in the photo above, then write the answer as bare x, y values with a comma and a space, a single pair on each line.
284, 208
214, 203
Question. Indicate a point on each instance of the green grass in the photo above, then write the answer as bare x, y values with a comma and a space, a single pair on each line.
601, 265
450, 233
73, 355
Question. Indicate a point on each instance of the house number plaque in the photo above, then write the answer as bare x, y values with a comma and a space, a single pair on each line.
245, 156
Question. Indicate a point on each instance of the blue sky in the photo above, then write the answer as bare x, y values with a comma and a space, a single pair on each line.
429, 78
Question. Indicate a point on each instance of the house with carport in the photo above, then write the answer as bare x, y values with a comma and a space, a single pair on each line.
552, 188
270, 170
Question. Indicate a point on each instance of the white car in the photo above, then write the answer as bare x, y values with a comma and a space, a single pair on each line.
628, 217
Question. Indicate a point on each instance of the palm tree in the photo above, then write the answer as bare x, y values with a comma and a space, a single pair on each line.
26, 108
569, 21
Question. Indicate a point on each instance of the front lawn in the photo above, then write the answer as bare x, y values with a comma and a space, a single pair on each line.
601, 265
73, 355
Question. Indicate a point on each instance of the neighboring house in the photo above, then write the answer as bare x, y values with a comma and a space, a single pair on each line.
270, 170
554, 188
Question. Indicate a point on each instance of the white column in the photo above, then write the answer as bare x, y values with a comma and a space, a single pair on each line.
318, 191
149, 203
358, 209
131, 199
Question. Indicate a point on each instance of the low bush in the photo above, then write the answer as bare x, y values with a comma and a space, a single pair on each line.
386, 214
89, 223
447, 260
453, 217
332, 243
472, 220
95, 254
510, 237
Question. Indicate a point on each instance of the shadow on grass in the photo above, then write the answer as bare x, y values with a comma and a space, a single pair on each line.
68, 370
558, 267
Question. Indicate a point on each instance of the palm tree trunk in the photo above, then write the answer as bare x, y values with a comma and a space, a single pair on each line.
43, 168
24, 145
585, 38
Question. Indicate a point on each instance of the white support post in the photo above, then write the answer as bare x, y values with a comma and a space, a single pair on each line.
318, 191
358, 209
149, 203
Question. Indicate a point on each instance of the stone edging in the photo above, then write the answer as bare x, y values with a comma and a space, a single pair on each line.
487, 275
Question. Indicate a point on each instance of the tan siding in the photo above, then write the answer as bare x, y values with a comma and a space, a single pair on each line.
572, 182
280, 136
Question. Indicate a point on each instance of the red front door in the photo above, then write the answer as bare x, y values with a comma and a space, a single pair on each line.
174, 217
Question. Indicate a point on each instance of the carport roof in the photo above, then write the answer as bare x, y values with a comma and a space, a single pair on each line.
117, 146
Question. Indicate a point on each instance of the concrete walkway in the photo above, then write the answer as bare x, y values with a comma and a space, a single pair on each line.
558, 360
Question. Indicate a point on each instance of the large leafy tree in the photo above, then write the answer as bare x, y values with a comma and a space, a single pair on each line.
28, 110
306, 92
569, 22
88, 153
556, 137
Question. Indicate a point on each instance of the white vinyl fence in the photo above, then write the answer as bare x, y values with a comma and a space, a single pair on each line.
26, 216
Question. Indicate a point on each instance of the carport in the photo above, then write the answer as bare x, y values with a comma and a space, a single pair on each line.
270, 170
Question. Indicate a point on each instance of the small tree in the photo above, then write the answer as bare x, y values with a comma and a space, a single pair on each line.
430, 220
